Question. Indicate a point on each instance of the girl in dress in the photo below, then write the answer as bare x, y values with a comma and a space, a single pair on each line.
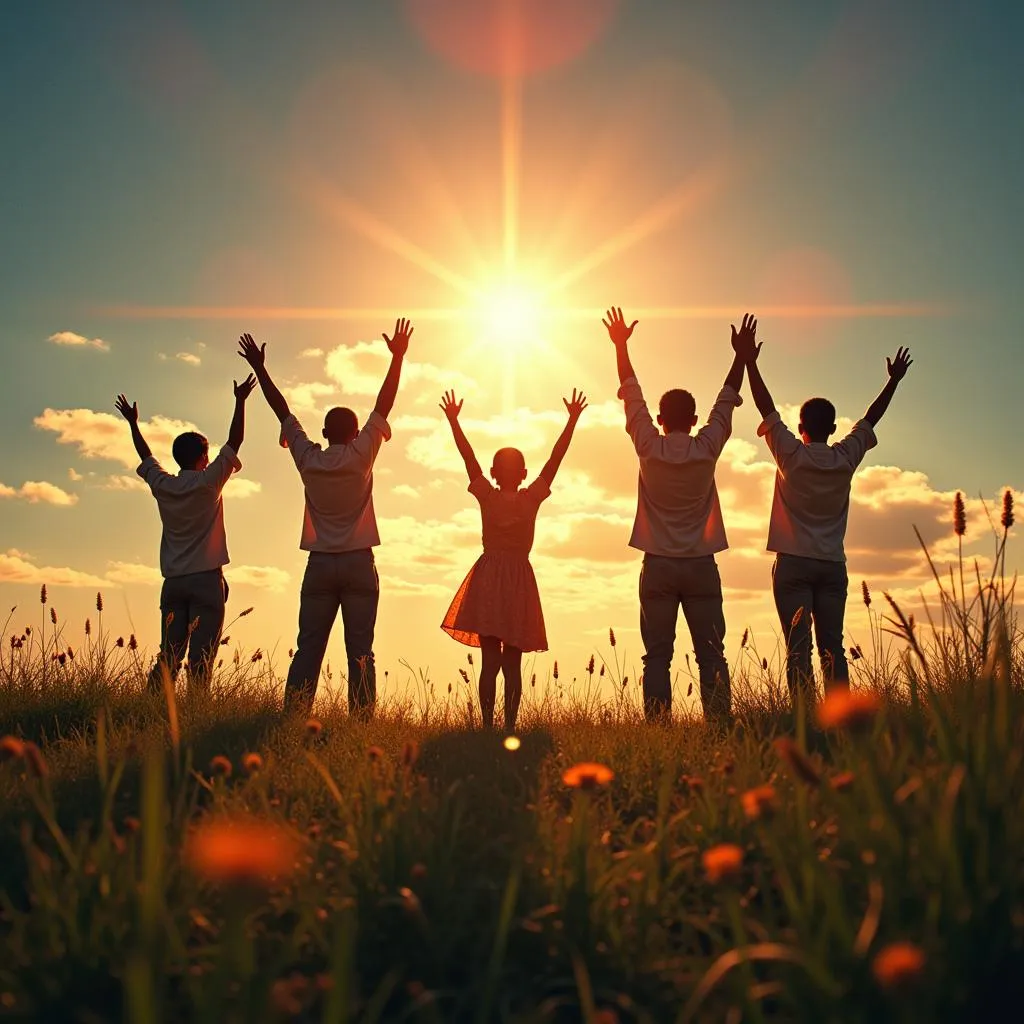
497, 608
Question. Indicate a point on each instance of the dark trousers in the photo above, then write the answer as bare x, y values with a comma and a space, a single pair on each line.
192, 616
665, 584
811, 590
346, 581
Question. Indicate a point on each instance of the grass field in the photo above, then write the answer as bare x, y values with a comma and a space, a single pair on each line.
174, 857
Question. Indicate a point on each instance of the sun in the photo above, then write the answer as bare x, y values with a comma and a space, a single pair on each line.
510, 314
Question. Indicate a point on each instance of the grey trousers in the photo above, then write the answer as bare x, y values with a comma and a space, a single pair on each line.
191, 618
345, 581
665, 584
806, 590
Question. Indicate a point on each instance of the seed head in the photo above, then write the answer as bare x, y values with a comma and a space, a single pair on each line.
796, 760
242, 614
133, 644
898, 964
745, 638
723, 863
533, 679
119, 642
844, 709
257, 656
99, 601
865, 593
555, 673
797, 617
759, 802
601, 673
465, 675
587, 775
590, 666
42, 594
220, 765
611, 636
959, 515
252, 763
469, 657
53, 616
1006, 519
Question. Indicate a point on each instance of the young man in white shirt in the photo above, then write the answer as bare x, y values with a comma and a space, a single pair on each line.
193, 544
679, 528
810, 509
339, 530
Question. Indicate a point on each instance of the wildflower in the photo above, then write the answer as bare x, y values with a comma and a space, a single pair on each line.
257, 656
959, 515
611, 636
1006, 519
374, 753
625, 679
898, 964
133, 644
744, 638
601, 673
42, 594
759, 802
252, 763
865, 593
37, 765
53, 616
465, 675
243, 614
842, 781
99, 601
119, 642
512, 743
722, 863
587, 775
797, 617
241, 850
220, 765
11, 748
844, 709
314, 727
796, 760
410, 752
88, 627
590, 666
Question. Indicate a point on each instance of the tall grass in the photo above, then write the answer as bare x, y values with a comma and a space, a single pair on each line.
416, 868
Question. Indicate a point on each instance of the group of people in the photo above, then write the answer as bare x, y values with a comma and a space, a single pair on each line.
678, 527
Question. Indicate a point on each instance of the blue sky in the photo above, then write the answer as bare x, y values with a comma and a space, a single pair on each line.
150, 159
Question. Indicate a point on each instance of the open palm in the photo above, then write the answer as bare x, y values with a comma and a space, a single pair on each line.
450, 406
618, 330
574, 406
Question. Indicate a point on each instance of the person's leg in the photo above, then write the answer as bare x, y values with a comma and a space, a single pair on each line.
829, 615
174, 622
659, 607
794, 601
490, 659
318, 608
512, 670
207, 594
705, 617
360, 594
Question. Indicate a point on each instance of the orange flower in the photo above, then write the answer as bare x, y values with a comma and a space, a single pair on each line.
796, 760
241, 850
898, 964
844, 709
220, 765
759, 802
842, 781
722, 863
587, 775
11, 748
252, 763
314, 726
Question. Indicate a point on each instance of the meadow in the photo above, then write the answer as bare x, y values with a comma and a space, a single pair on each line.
189, 856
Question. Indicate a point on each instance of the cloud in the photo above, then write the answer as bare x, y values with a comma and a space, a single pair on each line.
189, 358
311, 353
39, 492
241, 487
405, 491
123, 482
264, 577
133, 573
71, 340
16, 567
359, 369
74, 476
306, 397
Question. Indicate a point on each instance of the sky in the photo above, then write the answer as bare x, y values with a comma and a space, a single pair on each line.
501, 172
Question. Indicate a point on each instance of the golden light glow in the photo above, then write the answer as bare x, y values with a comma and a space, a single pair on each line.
511, 315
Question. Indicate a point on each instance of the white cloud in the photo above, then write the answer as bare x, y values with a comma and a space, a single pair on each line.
39, 492
306, 397
265, 577
405, 491
131, 573
311, 353
74, 476
16, 567
241, 487
123, 482
360, 368
189, 358
70, 339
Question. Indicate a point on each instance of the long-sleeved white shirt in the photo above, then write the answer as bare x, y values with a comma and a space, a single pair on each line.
678, 513
811, 504
338, 483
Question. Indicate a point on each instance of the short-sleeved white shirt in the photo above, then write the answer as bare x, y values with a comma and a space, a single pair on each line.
678, 512
338, 482
811, 504
192, 513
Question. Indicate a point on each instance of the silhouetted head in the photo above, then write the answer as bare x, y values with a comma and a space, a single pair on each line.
677, 411
191, 451
340, 425
508, 468
817, 420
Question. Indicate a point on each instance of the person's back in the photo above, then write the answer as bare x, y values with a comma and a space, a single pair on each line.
509, 517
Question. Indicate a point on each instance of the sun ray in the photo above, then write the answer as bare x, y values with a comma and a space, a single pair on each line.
511, 139
806, 311
282, 313
349, 212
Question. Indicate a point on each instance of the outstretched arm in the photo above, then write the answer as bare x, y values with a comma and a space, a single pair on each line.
256, 356
620, 333
131, 414
747, 348
741, 343
398, 345
236, 432
451, 409
574, 407
897, 371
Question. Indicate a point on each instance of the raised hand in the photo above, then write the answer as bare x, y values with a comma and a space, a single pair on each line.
744, 341
244, 390
898, 366
450, 407
616, 324
574, 406
129, 412
398, 345
255, 355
